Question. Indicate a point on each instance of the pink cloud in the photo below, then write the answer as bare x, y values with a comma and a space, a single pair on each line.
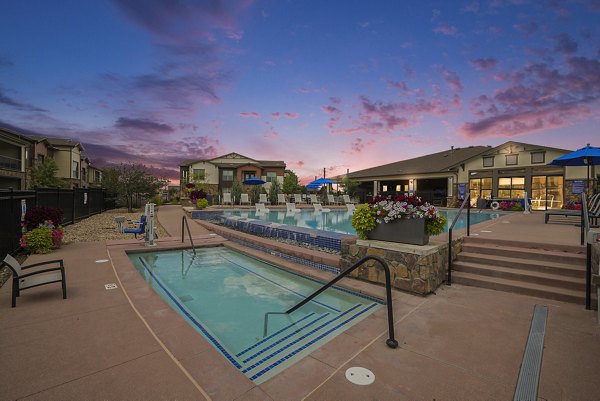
300, 163
484, 63
358, 144
452, 80
291, 116
276, 115
251, 114
446, 29
330, 110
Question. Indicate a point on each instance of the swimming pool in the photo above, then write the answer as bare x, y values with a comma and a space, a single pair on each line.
340, 221
225, 294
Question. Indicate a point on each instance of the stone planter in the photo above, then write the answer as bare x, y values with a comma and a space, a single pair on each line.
406, 231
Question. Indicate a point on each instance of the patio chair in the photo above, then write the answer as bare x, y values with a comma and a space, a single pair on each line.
281, 199
350, 206
331, 200
227, 199
35, 278
245, 200
262, 198
347, 199
140, 229
291, 207
260, 208
298, 198
313, 199
319, 208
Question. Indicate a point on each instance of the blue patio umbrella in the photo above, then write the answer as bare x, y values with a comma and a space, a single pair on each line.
322, 181
587, 156
253, 181
313, 185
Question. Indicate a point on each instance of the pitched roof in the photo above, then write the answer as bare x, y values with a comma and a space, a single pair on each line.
526, 146
434, 163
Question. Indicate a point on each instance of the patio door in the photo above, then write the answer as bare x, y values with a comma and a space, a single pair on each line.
546, 192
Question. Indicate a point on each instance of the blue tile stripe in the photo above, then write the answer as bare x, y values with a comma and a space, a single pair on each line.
336, 271
282, 339
308, 344
279, 285
267, 338
184, 310
299, 339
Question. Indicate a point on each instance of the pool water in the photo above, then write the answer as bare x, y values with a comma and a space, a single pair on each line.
225, 294
340, 221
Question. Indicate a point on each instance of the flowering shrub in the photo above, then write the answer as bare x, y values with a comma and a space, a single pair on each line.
383, 210
43, 238
572, 205
511, 205
196, 195
38, 215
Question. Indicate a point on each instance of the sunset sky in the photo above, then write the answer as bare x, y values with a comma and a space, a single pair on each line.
318, 84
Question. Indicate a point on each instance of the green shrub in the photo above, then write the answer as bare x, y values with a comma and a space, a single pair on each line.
39, 240
363, 220
435, 226
202, 203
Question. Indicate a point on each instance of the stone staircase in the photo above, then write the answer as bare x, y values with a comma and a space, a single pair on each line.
541, 270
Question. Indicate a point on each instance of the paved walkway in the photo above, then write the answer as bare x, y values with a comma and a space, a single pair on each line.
460, 344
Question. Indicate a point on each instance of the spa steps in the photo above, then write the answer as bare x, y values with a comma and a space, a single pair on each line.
547, 271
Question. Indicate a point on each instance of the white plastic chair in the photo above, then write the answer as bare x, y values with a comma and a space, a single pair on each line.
319, 208
227, 199
351, 207
331, 200
291, 207
244, 199
313, 199
260, 208
298, 198
281, 199
262, 198
347, 199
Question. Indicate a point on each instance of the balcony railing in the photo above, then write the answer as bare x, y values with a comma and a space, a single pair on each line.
10, 163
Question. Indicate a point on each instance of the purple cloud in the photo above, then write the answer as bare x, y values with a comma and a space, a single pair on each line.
8, 101
143, 125
484, 63
446, 29
291, 116
251, 114
526, 28
565, 44
452, 80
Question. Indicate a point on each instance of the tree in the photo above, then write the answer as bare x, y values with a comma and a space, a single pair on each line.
236, 190
290, 183
274, 190
131, 181
43, 175
350, 186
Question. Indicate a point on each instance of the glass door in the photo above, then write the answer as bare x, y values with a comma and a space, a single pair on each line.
546, 192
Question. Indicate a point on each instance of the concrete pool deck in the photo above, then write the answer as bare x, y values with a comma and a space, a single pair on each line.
462, 343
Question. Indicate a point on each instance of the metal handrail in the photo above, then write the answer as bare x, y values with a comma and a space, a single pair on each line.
391, 341
184, 222
466, 201
585, 225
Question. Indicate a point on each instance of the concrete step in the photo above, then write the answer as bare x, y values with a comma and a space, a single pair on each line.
576, 249
525, 253
536, 290
562, 269
523, 276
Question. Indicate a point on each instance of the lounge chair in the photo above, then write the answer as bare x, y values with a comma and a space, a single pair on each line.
245, 200
331, 200
227, 199
593, 210
291, 207
139, 229
350, 207
319, 208
35, 278
260, 208
297, 198
313, 199
281, 199
262, 198
347, 199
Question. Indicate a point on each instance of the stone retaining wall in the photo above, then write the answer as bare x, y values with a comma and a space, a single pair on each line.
416, 269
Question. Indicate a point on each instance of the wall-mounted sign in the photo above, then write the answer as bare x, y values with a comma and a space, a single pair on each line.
85, 198
578, 186
23, 209
462, 191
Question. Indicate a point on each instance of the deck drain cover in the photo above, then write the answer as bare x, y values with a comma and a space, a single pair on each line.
360, 376
102, 261
111, 286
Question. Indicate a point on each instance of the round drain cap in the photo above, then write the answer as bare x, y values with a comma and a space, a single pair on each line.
102, 261
360, 376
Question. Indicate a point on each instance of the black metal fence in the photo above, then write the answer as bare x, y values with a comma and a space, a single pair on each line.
76, 204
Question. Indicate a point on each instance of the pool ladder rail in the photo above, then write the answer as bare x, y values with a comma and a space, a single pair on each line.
391, 341
184, 224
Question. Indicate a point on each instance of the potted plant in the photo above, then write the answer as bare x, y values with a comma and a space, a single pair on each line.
403, 218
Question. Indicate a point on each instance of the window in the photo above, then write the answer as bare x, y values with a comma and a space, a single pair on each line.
480, 188
538, 157
249, 174
271, 176
488, 161
184, 175
511, 187
75, 169
512, 160
199, 174
227, 175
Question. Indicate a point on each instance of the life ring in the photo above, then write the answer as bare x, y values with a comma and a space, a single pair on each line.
495, 205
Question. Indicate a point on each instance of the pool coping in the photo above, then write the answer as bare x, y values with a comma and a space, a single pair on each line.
188, 347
